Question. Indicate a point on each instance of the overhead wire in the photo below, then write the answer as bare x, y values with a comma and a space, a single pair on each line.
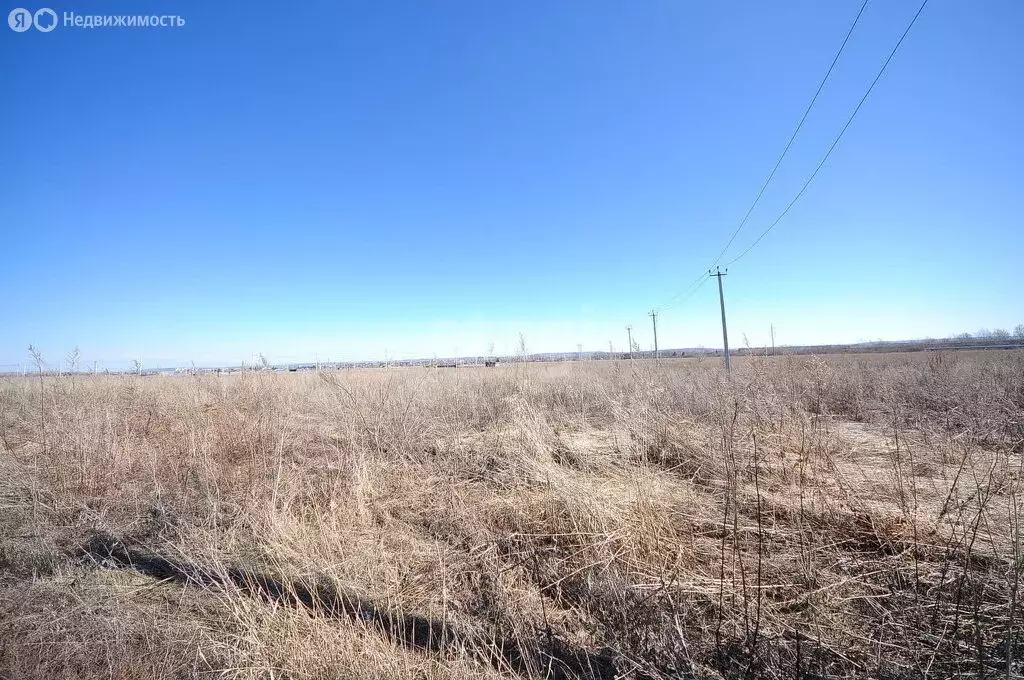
695, 285
700, 283
792, 137
835, 142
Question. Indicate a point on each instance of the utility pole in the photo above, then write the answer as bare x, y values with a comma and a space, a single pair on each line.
611, 350
629, 334
654, 320
721, 299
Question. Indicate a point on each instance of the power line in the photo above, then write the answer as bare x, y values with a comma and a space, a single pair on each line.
695, 285
792, 137
836, 141
692, 291
685, 291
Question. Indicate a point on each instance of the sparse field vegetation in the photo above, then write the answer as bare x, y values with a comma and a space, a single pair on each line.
839, 516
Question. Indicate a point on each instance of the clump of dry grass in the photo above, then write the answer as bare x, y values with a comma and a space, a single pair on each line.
839, 516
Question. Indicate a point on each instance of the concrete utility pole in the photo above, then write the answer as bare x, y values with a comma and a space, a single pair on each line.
721, 299
611, 350
629, 334
654, 320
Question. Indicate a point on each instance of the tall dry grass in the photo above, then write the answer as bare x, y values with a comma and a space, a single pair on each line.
842, 516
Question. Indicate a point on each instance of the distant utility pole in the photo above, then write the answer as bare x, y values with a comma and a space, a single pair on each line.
629, 334
611, 350
579, 350
654, 320
721, 299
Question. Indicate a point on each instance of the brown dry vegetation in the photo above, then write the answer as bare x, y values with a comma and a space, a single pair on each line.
847, 516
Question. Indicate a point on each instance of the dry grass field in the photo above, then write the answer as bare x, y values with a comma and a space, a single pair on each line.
841, 516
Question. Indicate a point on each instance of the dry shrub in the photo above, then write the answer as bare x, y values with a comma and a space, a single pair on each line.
841, 516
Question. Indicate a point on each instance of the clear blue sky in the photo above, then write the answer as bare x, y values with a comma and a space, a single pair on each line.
359, 178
